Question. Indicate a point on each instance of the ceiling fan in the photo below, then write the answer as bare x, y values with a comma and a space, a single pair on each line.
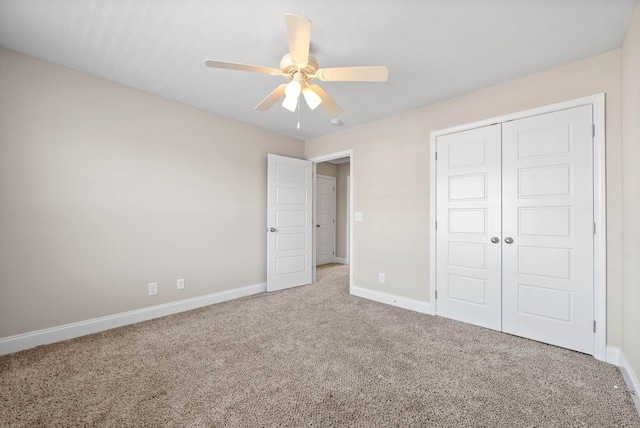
300, 68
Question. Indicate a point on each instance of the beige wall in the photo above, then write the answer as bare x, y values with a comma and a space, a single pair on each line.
104, 189
342, 210
391, 174
631, 194
326, 168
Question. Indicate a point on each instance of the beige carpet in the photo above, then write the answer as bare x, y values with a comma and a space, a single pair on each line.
310, 356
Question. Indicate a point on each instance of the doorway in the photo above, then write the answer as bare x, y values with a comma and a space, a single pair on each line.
342, 164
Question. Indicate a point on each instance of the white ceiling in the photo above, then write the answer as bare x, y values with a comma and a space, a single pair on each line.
434, 49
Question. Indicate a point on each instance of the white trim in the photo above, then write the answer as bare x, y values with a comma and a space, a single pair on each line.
600, 238
340, 260
69, 331
324, 158
613, 355
631, 379
433, 260
393, 300
331, 156
349, 225
599, 203
314, 197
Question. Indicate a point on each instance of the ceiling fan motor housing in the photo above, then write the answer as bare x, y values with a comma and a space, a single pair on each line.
289, 67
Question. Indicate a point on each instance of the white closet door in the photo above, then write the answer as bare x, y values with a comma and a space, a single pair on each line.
548, 213
468, 212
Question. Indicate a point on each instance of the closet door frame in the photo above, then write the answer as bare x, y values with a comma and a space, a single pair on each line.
599, 200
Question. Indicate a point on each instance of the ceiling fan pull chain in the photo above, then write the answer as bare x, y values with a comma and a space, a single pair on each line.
298, 112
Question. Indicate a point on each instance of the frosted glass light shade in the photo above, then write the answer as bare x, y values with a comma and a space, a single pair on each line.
293, 89
290, 103
292, 92
312, 99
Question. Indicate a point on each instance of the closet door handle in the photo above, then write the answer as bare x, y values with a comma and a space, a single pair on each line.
495, 240
508, 240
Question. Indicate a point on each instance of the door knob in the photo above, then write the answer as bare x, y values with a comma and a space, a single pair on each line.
495, 240
508, 240
317, 225
271, 229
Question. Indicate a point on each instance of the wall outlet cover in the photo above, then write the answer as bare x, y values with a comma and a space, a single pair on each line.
153, 288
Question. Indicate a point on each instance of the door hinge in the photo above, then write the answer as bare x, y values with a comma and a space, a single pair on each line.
594, 227
334, 189
436, 155
334, 220
436, 294
594, 326
593, 130
436, 225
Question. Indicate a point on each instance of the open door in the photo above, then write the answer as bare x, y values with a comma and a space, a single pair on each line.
289, 222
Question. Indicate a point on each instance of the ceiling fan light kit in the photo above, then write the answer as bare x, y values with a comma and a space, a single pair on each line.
300, 68
312, 99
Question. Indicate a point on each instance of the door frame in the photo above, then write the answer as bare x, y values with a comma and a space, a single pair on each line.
599, 205
349, 215
324, 158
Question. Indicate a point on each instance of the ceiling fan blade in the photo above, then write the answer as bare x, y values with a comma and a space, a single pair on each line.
272, 98
243, 67
299, 34
328, 103
354, 74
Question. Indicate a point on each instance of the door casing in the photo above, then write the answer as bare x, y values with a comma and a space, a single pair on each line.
599, 198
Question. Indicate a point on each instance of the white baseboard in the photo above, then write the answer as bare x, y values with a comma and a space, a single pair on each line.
613, 355
631, 380
393, 300
95, 325
340, 260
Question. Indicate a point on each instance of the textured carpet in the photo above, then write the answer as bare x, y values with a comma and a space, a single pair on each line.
310, 356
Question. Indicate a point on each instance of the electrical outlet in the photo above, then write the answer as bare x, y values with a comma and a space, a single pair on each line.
381, 277
153, 288
359, 216
180, 284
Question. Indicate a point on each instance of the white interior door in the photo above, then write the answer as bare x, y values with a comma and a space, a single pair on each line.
289, 222
548, 228
325, 219
469, 216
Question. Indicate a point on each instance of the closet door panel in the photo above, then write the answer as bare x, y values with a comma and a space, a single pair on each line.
547, 208
468, 215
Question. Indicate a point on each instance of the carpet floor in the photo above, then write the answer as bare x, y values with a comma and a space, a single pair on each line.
309, 356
